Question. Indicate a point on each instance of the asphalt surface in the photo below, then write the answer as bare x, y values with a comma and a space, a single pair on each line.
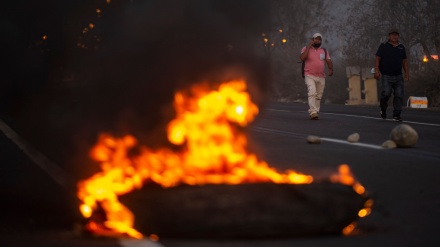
40, 211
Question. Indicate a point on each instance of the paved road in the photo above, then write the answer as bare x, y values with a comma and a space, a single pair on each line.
404, 182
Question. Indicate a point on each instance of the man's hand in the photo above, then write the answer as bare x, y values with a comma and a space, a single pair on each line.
377, 75
406, 77
330, 72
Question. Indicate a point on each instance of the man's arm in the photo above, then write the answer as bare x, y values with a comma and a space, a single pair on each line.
405, 68
376, 68
304, 55
330, 66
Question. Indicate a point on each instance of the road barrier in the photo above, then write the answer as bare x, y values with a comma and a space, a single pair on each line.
417, 102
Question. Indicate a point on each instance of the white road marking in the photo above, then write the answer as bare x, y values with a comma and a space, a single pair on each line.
360, 144
139, 243
349, 115
53, 170
271, 109
358, 116
430, 124
288, 133
59, 175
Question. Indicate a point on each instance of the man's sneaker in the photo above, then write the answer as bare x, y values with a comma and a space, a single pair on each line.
314, 116
383, 114
397, 118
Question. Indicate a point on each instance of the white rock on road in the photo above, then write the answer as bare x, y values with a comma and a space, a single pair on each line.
404, 136
313, 139
353, 137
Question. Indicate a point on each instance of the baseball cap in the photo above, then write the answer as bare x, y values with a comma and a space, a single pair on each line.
393, 30
317, 35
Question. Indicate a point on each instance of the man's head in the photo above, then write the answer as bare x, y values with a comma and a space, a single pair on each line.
317, 39
393, 35
393, 31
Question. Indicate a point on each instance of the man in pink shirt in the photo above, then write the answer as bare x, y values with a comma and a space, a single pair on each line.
314, 71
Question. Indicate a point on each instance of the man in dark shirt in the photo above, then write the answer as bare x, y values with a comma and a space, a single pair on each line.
390, 58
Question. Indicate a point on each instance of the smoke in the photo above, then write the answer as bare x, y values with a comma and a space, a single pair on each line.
124, 84
153, 48
156, 47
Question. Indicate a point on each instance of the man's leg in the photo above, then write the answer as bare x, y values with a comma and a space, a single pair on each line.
385, 95
320, 85
398, 96
311, 93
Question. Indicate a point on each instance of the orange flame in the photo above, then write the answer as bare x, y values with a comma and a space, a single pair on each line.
344, 176
214, 152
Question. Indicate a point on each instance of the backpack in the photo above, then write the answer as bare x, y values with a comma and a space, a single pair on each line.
304, 62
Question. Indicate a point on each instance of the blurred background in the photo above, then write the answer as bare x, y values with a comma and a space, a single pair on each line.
75, 68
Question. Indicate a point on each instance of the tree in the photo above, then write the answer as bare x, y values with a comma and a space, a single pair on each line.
294, 22
418, 22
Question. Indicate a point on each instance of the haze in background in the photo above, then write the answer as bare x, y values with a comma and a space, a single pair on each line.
120, 76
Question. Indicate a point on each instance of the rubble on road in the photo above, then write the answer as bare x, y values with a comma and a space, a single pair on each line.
313, 139
353, 138
404, 136
389, 144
